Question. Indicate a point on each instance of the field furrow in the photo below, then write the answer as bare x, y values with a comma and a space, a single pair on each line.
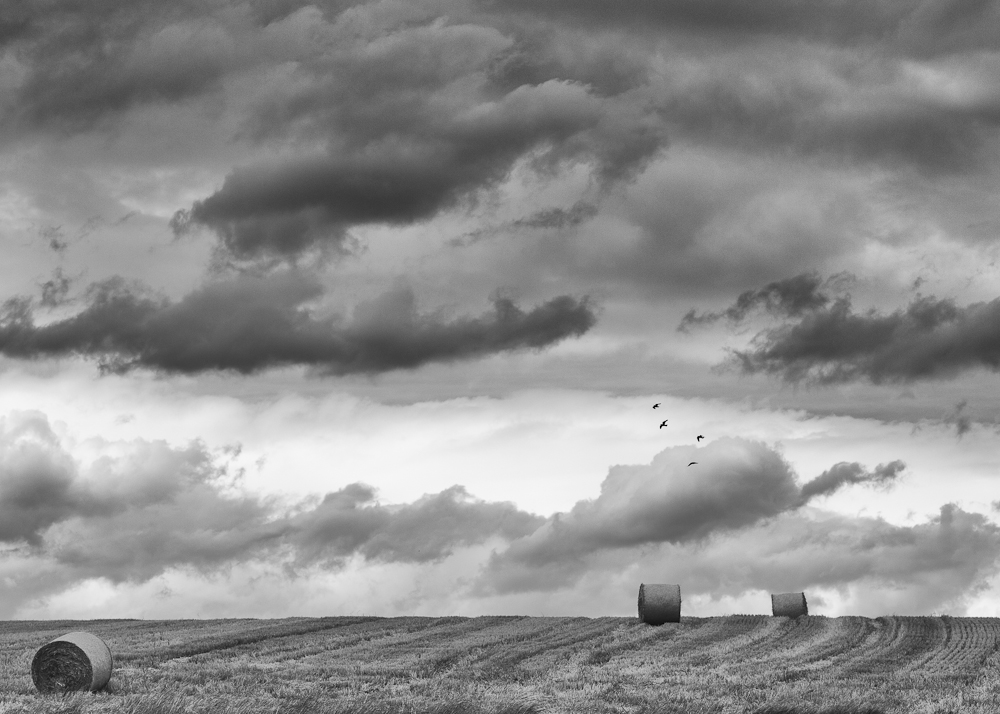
960, 652
902, 640
838, 643
720, 665
692, 636
249, 639
544, 655
738, 651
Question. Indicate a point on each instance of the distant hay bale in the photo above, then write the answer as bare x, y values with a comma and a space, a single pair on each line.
659, 604
789, 605
75, 661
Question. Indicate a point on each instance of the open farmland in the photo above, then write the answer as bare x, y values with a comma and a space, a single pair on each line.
525, 665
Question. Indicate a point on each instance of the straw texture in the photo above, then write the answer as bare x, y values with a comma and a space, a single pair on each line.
789, 604
659, 604
75, 661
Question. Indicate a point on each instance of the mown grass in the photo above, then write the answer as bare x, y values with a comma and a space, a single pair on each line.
164, 703
80, 703
509, 665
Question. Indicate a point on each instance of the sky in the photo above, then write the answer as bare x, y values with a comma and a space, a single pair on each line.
364, 307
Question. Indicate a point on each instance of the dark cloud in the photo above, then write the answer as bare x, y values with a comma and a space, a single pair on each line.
550, 218
540, 52
17, 19
251, 323
843, 108
912, 25
419, 118
389, 114
558, 217
843, 19
933, 137
844, 473
930, 339
287, 208
83, 65
789, 297
938, 27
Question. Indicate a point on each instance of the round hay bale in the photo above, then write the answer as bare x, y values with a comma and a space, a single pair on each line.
789, 604
659, 604
75, 661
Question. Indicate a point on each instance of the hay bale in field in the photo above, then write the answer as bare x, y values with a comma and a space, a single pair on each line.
789, 604
659, 604
75, 661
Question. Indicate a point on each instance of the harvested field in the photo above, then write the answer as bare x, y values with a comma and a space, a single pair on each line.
525, 665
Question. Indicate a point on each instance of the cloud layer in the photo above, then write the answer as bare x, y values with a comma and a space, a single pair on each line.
249, 323
623, 160
736, 485
417, 170
131, 515
142, 508
791, 133
931, 339
907, 25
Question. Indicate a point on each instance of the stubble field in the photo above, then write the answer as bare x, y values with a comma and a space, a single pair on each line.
524, 665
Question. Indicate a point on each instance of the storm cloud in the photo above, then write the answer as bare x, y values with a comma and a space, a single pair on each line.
790, 297
903, 23
249, 323
931, 339
357, 114
286, 208
446, 131
79, 68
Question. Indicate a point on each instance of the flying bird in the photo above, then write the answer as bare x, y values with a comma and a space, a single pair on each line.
656, 405
663, 424
692, 463
700, 437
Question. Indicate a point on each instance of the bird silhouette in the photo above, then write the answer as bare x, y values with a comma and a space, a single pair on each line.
692, 463
663, 424
700, 437
656, 405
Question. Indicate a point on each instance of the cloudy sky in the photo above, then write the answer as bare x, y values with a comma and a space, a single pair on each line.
363, 308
